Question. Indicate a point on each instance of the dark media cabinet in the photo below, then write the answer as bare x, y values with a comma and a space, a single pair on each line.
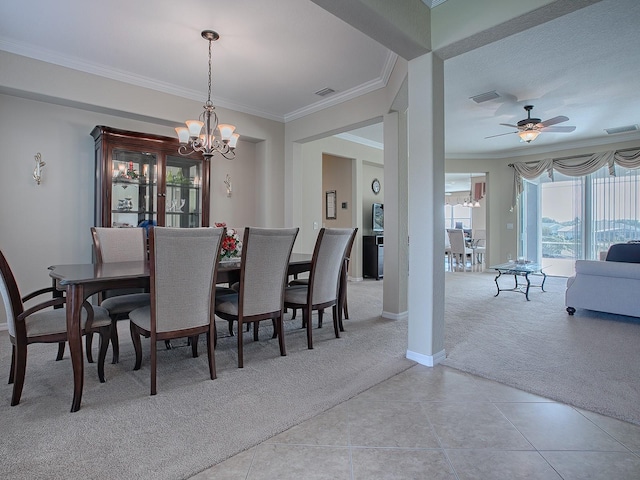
372, 256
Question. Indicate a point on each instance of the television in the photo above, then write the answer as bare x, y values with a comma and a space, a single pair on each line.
377, 217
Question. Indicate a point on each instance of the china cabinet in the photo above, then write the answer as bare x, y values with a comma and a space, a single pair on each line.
141, 180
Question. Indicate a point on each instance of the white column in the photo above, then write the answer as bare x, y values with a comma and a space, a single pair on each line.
394, 304
426, 211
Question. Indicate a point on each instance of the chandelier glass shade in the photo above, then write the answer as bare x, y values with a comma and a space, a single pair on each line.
528, 135
200, 135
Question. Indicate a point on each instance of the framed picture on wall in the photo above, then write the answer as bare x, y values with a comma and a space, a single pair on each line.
331, 204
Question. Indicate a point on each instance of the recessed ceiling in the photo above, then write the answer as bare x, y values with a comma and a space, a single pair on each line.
273, 56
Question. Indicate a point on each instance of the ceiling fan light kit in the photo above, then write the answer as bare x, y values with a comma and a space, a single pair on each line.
529, 128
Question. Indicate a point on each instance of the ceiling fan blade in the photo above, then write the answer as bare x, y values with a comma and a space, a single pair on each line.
501, 134
566, 129
553, 121
509, 125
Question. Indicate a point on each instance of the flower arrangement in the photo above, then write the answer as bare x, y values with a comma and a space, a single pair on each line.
231, 243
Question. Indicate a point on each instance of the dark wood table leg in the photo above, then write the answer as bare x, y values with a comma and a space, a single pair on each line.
497, 284
75, 298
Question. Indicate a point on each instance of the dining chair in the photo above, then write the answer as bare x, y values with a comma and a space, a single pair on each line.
183, 266
323, 289
263, 274
447, 249
45, 322
480, 244
459, 249
119, 245
343, 309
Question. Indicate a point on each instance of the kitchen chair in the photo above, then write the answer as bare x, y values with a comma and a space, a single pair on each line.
343, 308
480, 244
447, 249
45, 322
183, 267
459, 249
323, 289
118, 245
263, 273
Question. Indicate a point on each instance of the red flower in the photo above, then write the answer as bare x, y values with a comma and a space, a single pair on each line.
229, 244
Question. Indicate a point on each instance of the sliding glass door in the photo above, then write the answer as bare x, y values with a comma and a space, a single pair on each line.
574, 218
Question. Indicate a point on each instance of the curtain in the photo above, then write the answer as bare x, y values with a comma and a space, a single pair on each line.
573, 167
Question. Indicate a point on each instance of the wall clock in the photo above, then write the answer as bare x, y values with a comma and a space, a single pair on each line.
375, 186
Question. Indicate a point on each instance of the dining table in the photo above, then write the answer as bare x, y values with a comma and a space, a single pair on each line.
80, 281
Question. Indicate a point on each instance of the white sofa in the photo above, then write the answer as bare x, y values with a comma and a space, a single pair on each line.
612, 287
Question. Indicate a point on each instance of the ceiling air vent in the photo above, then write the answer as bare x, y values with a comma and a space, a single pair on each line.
485, 97
625, 129
325, 91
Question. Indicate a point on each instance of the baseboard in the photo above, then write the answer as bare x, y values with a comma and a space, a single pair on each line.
4, 327
356, 279
395, 316
428, 360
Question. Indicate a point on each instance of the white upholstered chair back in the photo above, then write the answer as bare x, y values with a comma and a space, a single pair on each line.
456, 240
183, 273
265, 261
119, 244
329, 254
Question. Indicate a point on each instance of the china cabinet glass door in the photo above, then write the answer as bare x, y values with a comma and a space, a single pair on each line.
133, 189
183, 192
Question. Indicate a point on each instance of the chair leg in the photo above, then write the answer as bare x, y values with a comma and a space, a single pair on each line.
256, 326
105, 337
231, 327
167, 344
340, 311
344, 307
279, 330
115, 344
194, 346
137, 345
61, 346
211, 356
293, 314
320, 315
13, 363
154, 358
215, 334
336, 321
18, 375
240, 359
88, 341
275, 327
306, 314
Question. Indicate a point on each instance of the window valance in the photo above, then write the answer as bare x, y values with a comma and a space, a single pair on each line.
572, 166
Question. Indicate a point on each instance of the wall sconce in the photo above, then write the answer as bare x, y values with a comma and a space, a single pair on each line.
227, 182
37, 172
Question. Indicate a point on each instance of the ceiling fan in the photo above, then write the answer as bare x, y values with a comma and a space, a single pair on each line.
530, 128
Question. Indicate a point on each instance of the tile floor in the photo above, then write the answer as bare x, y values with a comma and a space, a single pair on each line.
438, 423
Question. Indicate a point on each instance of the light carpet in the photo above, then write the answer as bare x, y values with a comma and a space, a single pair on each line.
590, 360
122, 432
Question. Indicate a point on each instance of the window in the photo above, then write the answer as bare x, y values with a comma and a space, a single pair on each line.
575, 218
457, 216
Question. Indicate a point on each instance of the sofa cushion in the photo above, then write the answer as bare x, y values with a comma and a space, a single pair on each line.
624, 252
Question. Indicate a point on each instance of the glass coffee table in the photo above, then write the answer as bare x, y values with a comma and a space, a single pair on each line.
519, 269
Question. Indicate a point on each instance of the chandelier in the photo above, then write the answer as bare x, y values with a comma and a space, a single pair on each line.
198, 135
528, 135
